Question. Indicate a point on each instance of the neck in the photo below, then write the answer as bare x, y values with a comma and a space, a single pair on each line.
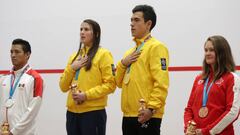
212, 67
88, 45
144, 35
17, 67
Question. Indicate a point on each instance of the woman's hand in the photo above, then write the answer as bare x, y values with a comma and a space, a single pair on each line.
79, 97
79, 63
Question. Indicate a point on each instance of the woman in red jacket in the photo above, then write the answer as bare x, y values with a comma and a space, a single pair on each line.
214, 102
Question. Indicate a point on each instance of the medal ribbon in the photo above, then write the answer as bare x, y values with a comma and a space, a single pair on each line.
14, 85
78, 71
206, 91
138, 50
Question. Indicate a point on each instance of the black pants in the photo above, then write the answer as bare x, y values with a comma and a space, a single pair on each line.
131, 126
89, 123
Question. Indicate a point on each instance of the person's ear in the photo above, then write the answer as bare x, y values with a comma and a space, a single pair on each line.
149, 24
28, 55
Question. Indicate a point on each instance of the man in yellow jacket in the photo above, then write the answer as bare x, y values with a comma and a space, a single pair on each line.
143, 76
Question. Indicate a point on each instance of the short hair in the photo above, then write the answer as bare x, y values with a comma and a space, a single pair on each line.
148, 13
25, 44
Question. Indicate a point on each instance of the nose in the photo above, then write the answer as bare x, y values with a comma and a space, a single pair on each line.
131, 24
207, 53
81, 33
13, 54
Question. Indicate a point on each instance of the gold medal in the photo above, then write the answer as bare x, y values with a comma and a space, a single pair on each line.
5, 128
126, 78
203, 112
9, 103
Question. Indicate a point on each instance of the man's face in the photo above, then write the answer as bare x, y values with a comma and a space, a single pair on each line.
139, 28
18, 57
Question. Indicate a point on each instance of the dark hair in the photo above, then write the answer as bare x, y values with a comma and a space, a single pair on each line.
224, 59
148, 14
25, 44
96, 41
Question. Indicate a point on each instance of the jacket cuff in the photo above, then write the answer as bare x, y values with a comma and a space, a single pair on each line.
70, 69
13, 131
121, 65
88, 95
205, 131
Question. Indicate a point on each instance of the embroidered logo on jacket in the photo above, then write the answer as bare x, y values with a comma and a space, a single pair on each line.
21, 85
200, 82
163, 64
219, 81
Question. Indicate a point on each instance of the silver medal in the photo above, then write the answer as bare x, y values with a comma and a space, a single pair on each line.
9, 103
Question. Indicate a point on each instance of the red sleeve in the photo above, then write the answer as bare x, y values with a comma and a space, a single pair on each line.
38, 83
188, 114
232, 108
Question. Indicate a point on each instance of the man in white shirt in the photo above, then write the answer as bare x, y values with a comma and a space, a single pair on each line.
20, 93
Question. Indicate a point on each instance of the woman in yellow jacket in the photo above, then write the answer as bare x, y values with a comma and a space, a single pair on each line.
88, 79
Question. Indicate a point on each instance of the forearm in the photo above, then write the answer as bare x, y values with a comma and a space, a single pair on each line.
120, 72
66, 78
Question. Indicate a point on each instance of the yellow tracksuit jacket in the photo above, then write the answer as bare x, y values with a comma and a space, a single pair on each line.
149, 78
97, 82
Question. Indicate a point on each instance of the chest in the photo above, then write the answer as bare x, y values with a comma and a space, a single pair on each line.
216, 92
16, 88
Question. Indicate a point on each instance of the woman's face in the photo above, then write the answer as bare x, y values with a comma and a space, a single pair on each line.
86, 34
210, 55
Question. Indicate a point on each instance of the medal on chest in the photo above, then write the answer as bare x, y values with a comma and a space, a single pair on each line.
203, 111
9, 103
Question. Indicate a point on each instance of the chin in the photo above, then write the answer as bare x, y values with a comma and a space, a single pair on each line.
210, 63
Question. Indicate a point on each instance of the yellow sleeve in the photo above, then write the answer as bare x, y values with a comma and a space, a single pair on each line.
120, 72
108, 83
67, 76
159, 61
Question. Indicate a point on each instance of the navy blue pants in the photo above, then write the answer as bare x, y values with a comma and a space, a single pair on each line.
88, 123
131, 126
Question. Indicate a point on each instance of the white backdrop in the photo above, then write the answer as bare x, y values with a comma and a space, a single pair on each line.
52, 28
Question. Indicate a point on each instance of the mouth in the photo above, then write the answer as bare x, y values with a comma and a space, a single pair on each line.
209, 58
82, 37
14, 59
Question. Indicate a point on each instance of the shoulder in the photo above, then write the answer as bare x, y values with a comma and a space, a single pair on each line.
34, 74
72, 55
157, 46
3, 77
156, 43
231, 76
198, 79
103, 50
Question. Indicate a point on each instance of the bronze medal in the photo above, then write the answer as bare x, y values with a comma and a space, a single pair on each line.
203, 112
